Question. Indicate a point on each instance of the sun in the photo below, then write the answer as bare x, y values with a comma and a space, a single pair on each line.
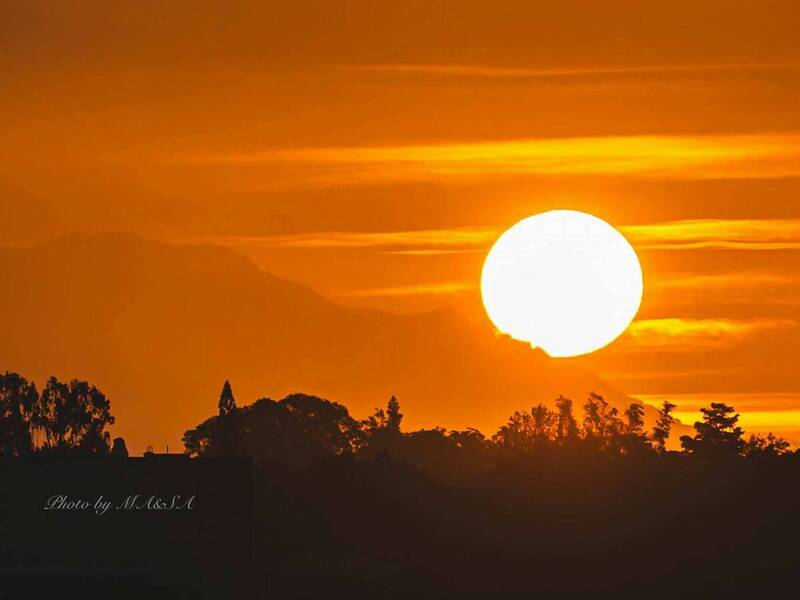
563, 280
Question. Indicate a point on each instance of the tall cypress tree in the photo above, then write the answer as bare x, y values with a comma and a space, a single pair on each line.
393, 415
227, 403
228, 438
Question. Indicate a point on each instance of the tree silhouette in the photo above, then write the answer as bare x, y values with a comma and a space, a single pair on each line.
517, 435
329, 424
601, 423
527, 431
380, 434
543, 424
228, 438
227, 403
393, 415
770, 445
73, 418
718, 435
199, 441
663, 426
470, 439
634, 439
567, 426
386, 420
635, 419
296, 430
18, 408
375, 422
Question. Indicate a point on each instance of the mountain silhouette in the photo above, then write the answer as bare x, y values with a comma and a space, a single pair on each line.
158, 326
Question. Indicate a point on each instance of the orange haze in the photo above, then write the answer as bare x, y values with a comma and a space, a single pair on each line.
372, 153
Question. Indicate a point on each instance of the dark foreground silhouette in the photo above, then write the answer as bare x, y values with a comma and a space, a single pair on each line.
553, 505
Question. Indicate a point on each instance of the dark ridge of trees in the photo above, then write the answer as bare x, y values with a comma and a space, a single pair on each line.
64, 419
552, 506
71, 418
560, 502
302, 429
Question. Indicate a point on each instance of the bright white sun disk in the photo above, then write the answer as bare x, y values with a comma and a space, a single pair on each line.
564, 281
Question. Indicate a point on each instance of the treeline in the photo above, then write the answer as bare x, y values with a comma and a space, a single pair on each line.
63, 419
69, 418
717, 436
301, 429
563, 501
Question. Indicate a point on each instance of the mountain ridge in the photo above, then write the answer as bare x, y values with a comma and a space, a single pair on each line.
158, 326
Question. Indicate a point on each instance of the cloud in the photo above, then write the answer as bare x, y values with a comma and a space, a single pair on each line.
494, 72
747, 287
431, 252
741, 401
681, 335
417, 242
747, 234
634, 374
448, 287
673, 157
743, 234
724, 281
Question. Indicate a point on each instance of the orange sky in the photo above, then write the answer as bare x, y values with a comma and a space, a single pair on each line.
373, 151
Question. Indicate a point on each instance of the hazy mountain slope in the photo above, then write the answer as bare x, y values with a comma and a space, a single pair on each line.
159, 327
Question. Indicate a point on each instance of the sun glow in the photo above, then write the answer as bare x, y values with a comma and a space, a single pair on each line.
563, 280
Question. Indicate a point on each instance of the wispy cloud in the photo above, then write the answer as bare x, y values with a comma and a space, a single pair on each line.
766, 234
430, 252
631, 375
725, 281
741, 401
746, 288
680, 335
498, 72
677, 157
415, 242
748, 234
447, 287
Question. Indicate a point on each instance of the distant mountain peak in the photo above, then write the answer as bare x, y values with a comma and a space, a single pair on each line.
159, 326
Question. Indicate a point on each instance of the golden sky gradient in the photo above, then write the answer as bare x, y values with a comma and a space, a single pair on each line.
374, 151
